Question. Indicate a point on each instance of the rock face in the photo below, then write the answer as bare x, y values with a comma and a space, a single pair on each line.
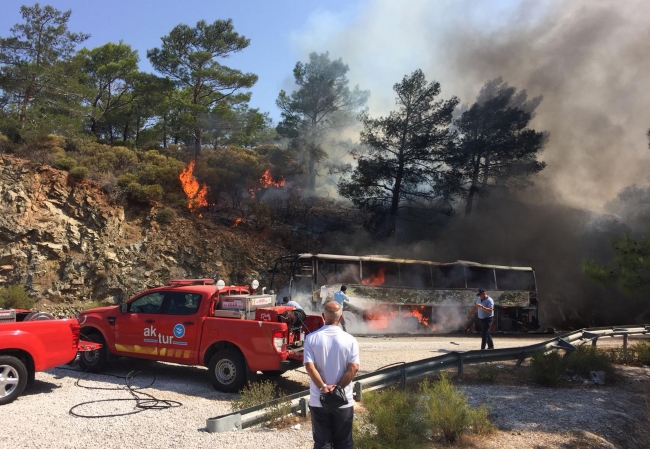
65, 243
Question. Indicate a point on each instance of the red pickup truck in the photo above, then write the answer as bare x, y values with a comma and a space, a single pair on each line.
30, 346
231, 330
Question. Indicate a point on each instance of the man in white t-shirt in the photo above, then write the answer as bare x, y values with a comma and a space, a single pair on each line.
331, 358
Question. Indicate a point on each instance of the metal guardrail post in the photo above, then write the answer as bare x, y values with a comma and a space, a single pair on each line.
356, 391
461, 367
625, 347
302, 407
404, 377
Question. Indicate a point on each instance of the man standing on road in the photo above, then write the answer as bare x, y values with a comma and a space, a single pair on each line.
331, 359
485, 306
340, 297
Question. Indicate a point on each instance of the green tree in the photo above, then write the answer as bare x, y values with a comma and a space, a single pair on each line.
629, 268
322, 98
109, 72
32, 63
189, 56
402, 158
496, 146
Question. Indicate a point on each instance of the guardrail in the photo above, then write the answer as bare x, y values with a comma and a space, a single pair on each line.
401, 373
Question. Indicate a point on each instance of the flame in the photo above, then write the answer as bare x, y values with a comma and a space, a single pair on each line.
267, 181
194, 192
237, 221
382, 317
375, 279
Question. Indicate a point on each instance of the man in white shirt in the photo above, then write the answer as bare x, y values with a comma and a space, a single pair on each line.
331, 359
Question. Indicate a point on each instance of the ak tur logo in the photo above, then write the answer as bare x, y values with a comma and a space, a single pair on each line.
179, 331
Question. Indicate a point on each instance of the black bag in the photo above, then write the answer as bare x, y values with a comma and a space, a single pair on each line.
335, 399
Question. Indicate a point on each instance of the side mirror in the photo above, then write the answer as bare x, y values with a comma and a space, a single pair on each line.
124, 308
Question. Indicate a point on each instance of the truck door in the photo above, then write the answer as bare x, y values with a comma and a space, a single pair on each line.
178, 327
137, 331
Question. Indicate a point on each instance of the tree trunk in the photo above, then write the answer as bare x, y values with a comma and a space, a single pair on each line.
197, 142
137, 131
312, 172
165, 131
125, 134
394, 205
473, 188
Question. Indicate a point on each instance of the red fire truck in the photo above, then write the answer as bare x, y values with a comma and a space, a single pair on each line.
232, 330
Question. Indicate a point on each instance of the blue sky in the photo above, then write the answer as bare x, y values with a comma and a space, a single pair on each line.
270, 25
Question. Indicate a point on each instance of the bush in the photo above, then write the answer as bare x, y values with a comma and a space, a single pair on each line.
586, 359
642, 350
65, 163
264, 392
15, 297
79, 172
448, 411
165, 216
547, 368
144, 194
487, 373
392, 420
5, 144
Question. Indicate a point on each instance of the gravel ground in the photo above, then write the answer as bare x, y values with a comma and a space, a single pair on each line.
526, 417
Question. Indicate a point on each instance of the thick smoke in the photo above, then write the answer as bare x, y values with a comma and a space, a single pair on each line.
589, 60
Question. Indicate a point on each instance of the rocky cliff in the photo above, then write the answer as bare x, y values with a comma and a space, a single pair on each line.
67, 244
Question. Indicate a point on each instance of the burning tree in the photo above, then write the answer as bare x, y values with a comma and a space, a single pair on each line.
402, 158
194, 192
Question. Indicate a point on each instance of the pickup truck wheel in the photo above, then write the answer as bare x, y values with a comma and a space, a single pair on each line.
94, 361
13, 378
227, 371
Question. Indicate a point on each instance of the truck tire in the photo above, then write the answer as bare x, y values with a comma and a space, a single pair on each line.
227, 371
94, 361
13, 378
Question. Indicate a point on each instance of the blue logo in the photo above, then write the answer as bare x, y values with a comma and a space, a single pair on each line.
179, 331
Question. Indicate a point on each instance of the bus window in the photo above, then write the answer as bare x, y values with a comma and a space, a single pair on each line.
338, 272
380, 273
515, 280
415, 275
448, 276
478, 277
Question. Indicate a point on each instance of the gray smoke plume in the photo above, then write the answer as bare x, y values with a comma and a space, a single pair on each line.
588, 58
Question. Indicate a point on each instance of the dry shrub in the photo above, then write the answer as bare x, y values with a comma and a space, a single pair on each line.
267, 393
15, 297
448, 412
586, 359
487, 373
546, 369
392, 419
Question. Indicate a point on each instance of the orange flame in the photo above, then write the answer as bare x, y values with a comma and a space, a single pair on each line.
382, 317
237, 221
375, 279
196, 194
267, 181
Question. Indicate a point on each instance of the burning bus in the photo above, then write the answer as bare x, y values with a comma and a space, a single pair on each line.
388, 293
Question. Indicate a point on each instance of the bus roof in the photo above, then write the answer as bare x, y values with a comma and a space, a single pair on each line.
384, 258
